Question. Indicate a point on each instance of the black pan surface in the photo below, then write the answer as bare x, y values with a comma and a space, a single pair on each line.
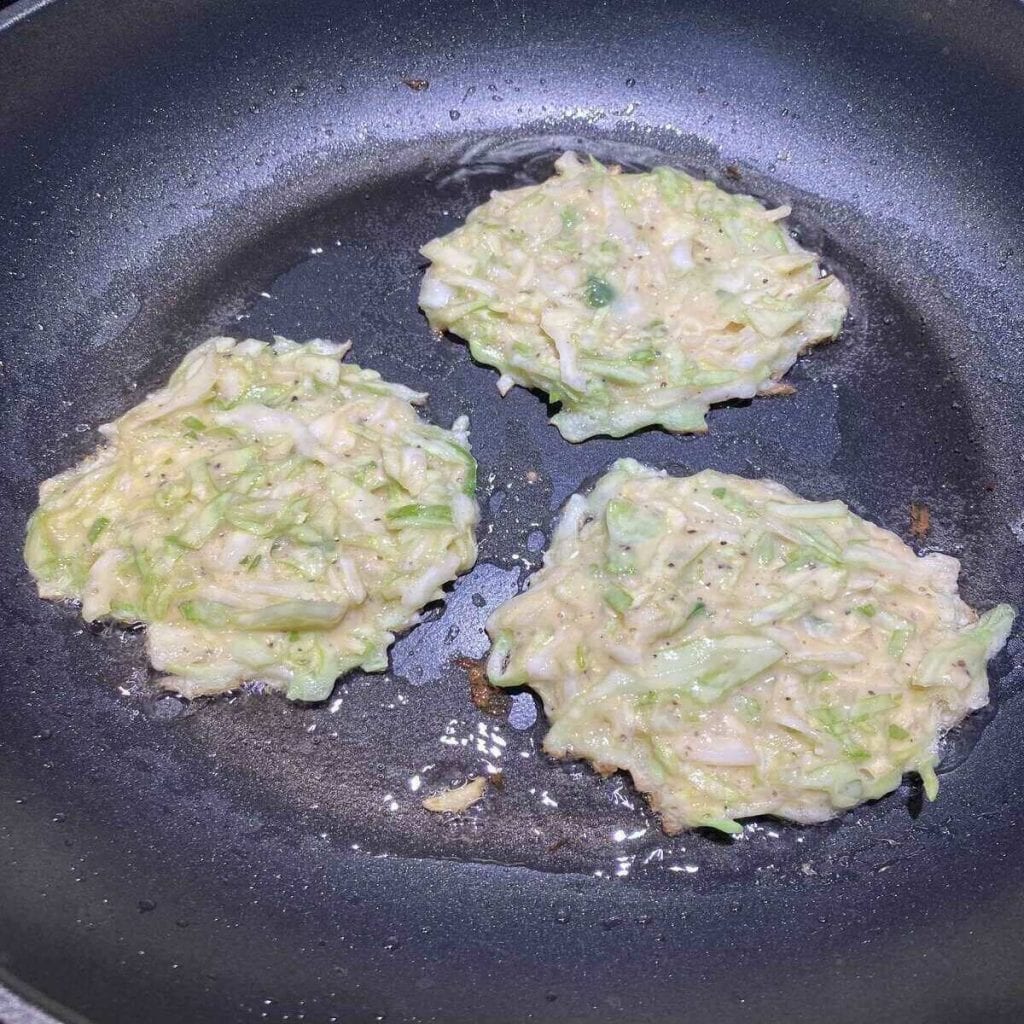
175, 169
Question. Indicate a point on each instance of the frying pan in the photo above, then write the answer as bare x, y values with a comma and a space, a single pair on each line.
180, 168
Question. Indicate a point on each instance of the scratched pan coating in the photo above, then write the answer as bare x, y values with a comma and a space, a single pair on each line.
189, 168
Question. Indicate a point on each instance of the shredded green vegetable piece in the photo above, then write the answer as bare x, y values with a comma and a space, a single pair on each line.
421, 515
726, 825
618, 599
272, 515
597, 292
930, 780
741, 651
98, 526
631, 299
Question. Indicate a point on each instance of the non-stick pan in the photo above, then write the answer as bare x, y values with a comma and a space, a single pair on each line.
178, 168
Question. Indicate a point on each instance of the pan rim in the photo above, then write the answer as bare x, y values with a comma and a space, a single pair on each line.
19, 11
22, 1004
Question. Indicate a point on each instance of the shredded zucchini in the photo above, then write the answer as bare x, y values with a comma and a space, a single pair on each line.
742, 651
631, 299
273, 514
